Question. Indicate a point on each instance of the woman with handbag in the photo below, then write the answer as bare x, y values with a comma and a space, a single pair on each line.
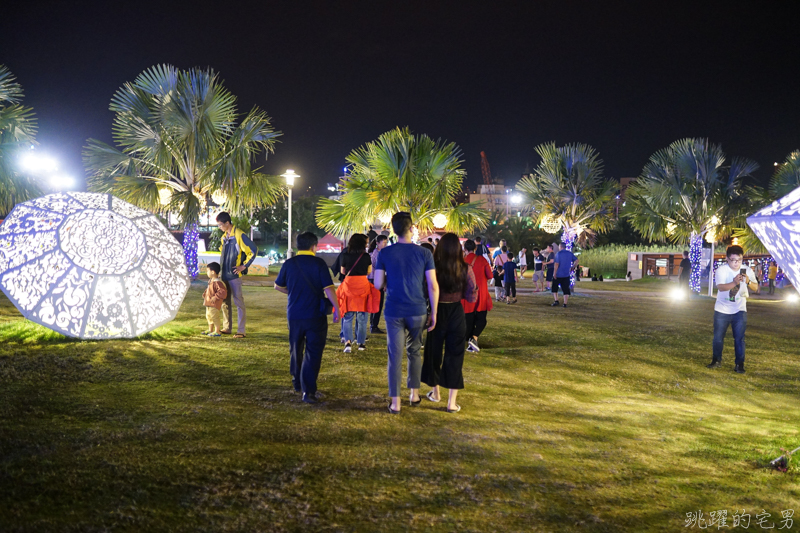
476, 311
443, 358
357, 297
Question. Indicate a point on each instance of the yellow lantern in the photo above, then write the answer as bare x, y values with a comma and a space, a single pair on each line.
711, 232
385, 217
164, 196
550, 224
219, 197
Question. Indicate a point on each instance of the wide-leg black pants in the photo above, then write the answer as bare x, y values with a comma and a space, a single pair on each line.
443, 358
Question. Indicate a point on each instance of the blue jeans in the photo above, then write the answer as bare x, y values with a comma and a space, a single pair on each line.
404, 331
361, 319
738, 324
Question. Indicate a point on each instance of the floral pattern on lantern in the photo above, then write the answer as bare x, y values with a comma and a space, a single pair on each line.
91, 266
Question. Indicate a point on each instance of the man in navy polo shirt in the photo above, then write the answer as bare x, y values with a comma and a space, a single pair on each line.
402, 267
305, 278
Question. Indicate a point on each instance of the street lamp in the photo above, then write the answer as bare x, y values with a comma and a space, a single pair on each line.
289, 175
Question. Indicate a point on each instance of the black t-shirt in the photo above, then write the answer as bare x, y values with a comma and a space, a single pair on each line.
361, 267
551, 266
686, 265
481, 249
538, 262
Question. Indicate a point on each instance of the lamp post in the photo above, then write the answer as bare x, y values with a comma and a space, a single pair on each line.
508, 191
289, 175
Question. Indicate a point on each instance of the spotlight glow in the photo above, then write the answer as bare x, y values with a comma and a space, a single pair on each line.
678, 294
38, 163
792, 298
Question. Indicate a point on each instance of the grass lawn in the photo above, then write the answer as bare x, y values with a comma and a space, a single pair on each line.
599, 417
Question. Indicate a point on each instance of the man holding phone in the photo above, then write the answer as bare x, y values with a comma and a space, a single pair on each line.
734, 282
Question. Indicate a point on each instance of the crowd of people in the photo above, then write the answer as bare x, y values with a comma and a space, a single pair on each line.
439, 287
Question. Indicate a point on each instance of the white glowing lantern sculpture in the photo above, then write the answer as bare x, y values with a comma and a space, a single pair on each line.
91, 266
440, 220
778, 227
550, 224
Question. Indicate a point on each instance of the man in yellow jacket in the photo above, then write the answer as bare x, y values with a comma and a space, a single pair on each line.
237, 253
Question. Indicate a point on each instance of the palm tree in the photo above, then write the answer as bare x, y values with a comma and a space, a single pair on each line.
401, 172
17, 133
567, 189
178, 144
685, 193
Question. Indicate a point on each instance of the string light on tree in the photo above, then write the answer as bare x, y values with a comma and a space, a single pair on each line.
190, 238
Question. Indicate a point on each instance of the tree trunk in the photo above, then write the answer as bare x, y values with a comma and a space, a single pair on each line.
190, 238
695, 255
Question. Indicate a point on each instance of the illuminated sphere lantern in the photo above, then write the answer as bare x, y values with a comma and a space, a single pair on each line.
91, 266
778, 228
550, 224
440, 220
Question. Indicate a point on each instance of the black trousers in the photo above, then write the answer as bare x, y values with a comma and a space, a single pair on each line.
306, 343
376, 317
476, 322
511, 288
443, 358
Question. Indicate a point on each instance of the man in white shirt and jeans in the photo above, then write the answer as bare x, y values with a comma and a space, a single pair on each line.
731, 306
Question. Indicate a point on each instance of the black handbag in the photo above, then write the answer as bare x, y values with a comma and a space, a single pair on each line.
325, 305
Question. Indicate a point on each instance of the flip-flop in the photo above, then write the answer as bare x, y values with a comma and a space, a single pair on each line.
392, 410
430, 397
457, 409
239, 336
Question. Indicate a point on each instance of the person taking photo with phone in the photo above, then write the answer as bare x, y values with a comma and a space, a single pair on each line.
734, 282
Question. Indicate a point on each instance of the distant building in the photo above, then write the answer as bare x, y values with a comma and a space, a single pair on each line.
491, 197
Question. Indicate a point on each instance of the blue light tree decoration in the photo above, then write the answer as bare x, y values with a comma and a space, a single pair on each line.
91, 266
778, 228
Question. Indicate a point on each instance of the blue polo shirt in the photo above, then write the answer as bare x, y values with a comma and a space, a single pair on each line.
405, 266
564, 258
304, 302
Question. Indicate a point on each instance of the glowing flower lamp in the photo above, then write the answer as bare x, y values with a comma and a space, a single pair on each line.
440, 220
778, 228
91, 266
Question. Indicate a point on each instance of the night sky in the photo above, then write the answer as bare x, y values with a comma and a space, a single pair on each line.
627, 78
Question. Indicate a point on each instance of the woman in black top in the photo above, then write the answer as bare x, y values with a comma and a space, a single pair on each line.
355, 292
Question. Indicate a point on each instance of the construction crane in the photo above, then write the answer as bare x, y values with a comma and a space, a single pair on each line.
487, 173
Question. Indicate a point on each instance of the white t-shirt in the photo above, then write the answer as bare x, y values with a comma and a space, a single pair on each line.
725, 275
523, 259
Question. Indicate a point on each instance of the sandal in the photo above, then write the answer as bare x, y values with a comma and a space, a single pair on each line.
430, 397
457, 409
414, 404
239, 336
392, 410
226, 332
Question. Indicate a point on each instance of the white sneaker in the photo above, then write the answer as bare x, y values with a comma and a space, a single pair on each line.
347, 348
473, 344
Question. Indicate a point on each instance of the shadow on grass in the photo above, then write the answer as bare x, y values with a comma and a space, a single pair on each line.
27, 332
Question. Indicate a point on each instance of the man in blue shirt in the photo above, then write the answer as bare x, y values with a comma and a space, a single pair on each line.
401, 268
564, 262
305, 278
